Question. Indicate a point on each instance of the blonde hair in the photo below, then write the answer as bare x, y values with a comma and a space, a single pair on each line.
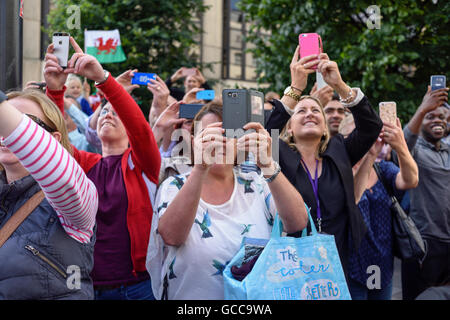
289, 138
54, 116
73, 77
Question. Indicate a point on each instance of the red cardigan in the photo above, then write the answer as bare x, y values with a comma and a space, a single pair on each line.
140, 165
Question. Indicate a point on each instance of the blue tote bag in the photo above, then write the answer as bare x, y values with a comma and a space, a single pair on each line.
305, 268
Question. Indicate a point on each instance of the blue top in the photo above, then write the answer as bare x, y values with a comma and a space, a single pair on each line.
85, 106
376, 247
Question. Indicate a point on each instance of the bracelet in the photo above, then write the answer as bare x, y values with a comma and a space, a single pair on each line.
301, 91
275, 174
349, 97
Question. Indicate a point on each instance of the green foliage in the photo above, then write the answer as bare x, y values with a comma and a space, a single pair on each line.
157, 35
414, 35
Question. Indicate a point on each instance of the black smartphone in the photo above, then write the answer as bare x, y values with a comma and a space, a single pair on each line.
189, 111
241, 106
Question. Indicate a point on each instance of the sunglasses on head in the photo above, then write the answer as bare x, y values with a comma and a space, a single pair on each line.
41, 123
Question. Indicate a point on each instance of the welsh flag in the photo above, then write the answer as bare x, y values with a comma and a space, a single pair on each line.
104, 45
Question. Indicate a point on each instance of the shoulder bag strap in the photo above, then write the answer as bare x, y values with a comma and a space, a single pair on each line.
19, 216
386, 186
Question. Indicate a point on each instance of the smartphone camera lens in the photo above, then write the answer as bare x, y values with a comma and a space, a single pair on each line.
234, 95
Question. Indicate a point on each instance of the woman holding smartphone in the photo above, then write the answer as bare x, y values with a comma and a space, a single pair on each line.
126, 175
318, 166
202, 217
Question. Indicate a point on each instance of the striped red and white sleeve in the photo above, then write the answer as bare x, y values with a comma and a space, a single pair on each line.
65, 185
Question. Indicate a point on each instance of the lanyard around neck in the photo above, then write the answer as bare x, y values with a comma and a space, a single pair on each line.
315, 186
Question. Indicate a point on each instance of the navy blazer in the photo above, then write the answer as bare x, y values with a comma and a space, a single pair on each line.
344, 153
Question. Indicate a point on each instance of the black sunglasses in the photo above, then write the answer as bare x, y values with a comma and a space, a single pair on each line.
41, 123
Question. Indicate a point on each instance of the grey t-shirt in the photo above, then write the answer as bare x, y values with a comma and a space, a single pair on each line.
430, 200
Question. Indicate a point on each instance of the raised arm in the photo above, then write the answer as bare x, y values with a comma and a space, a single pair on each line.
65, 185
145, 153
408, 177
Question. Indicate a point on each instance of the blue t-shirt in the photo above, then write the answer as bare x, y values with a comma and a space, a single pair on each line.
376, 247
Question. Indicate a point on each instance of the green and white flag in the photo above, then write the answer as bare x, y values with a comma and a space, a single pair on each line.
104, 45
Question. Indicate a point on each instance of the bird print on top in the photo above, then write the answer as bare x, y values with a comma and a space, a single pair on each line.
246, 183
269, 217
219, 266
178, 182
205, 224
163, 206
246, 228
171, 273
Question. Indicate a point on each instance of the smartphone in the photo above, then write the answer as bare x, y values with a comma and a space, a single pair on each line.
241, 106
437, 82
189, 72
41, 85
61, 47
142, 78
388, 112
205, 95
320, 82
189, 111
310, 43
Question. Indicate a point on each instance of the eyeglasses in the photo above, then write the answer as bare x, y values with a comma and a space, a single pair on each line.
41, 123
105, 111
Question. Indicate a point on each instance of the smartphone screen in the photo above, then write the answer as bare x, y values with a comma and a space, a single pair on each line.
61, 47
437, 82
388, 112
257, 105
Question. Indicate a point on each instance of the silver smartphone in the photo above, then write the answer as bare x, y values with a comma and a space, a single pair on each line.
61, 45
320, 82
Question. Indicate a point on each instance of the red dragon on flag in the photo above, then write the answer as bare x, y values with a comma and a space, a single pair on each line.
110, 44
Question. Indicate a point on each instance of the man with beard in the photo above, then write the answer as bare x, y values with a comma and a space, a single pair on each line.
430, 201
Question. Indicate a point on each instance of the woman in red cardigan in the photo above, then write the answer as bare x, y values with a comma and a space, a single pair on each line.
126, 177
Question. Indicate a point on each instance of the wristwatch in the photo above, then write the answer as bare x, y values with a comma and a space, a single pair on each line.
291, 93
275, 173
3, 96
104, 78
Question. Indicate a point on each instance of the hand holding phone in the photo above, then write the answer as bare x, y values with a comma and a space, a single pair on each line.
388, 112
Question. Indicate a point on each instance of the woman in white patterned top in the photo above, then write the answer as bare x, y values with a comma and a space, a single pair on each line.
201, 218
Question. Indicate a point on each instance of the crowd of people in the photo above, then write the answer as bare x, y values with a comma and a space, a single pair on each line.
155, 206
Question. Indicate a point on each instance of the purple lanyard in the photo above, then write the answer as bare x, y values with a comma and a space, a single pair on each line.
315, 186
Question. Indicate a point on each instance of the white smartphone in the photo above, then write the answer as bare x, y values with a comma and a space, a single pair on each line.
320, 82
61, 45
388, 112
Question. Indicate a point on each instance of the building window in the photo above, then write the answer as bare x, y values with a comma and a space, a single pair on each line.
236, 62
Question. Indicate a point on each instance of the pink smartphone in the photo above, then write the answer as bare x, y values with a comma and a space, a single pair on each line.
189, 72
310, 43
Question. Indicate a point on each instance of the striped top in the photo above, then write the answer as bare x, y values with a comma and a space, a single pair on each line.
65, 185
